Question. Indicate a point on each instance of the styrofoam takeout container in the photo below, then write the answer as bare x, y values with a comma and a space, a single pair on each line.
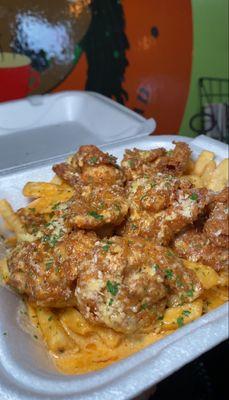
34, 134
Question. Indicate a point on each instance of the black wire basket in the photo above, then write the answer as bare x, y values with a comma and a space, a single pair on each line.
213, 118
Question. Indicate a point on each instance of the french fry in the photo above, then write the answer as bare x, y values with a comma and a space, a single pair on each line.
214, 298
219, 178
208, 171
32, 314
178, 316
195, 180
55, 336
109, 337
223, 278
45, 189
4, 272
207, 276
13, 221
76, 322
57, 180
45, 205
201, 162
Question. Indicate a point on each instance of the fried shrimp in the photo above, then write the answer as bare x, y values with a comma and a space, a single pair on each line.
96, 207
137, 163
45, 270
161, 227
127, 282
217, 225
195, 246
154, 194
90, 166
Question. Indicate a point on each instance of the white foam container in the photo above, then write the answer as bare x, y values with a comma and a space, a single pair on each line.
35, 133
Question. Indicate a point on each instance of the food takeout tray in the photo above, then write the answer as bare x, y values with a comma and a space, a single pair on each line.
33, 135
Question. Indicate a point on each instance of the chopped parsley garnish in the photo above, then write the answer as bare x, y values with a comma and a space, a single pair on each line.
180, 321
160, 318
93, 160
194, 196
32, 209
106, 247
101, 205
186, 313
169, 273
112, 287
57, 269
51, 239
95, 215
143, 197
35, 336
48, 264
190, 293
155, 267
55, 206
4, 333
133, 226
50, 318
144, 306
170, 253
110, 302
153, 184
179, 283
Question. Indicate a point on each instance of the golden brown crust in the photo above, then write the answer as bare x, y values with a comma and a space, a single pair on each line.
90, 166
46, 271
127, 282
217, 225
195, 246
137, 163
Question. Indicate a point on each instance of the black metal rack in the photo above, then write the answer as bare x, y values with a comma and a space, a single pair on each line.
213, 93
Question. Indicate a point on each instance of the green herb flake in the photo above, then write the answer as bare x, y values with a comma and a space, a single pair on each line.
48, 264
186, 313
101, 205
35, 336
106, 247
133, 227
153, 184
55, 206
190, 293
93, 160
155, 267
50, 318
112, 287
143, 197
57, 269
110, 302
194, 196
160, 318
32, 209
4, 333
144, 306
95, 215
169, 273
170, 253
179, 283
180, 321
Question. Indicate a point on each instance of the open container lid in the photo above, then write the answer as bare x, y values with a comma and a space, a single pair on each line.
42, 127
26, 373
